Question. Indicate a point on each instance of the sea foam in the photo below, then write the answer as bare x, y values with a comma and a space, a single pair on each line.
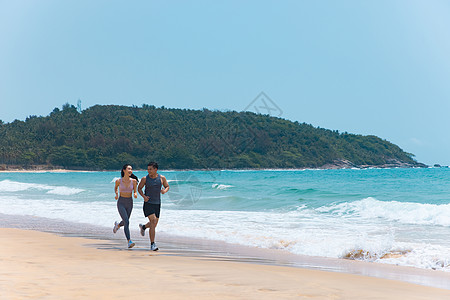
404, 212
221, 186
15, 186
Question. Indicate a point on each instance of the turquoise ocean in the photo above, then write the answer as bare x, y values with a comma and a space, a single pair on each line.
390, 216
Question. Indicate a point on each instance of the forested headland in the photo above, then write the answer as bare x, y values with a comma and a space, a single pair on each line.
104, 137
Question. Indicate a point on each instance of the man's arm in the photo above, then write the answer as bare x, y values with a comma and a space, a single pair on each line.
141, 185
165, 184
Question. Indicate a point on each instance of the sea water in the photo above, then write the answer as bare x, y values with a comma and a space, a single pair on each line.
393, 216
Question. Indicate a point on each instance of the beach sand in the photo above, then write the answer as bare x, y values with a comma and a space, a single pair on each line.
34, 265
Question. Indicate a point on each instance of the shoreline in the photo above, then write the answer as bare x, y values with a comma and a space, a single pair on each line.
74, 267
211, 249
18, 170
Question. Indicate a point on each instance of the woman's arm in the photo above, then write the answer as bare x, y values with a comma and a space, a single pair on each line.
115, 189
134, 187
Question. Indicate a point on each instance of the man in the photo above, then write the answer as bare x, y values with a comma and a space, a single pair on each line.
152, 199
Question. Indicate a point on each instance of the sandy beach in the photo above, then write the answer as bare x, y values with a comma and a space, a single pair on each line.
34, 265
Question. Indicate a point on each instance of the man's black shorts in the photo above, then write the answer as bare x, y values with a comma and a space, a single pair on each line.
150, 209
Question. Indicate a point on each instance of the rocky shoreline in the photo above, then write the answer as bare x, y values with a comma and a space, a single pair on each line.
335, 165
393, 163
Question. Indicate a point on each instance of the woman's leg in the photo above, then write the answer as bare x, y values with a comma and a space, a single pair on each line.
123, 209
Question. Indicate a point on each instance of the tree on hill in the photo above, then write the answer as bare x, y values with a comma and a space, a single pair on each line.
106, 137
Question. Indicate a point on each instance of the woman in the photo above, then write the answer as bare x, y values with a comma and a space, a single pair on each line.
127, 185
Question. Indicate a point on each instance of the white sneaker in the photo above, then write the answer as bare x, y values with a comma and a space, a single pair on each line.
153, 247
116, 226
142, 228
131, 244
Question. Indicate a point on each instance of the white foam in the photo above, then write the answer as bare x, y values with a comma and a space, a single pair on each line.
307, 233
63, 190
99, 213
220, 186
12, 186
424, 256
15, 186
404, 212
329, 231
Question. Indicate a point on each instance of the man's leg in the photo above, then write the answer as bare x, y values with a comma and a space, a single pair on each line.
153, 221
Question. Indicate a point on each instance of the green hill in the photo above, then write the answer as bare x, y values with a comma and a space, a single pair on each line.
106, 137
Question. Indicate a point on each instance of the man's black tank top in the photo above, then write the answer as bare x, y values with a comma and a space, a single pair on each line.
153, 189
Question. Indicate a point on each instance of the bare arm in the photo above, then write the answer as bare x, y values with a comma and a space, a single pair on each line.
115, 189
141, 185
134, 187
165, 184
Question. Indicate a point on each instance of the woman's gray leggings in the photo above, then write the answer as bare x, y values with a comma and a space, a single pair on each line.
125, 206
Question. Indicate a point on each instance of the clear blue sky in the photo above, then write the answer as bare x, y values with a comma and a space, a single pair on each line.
366, 67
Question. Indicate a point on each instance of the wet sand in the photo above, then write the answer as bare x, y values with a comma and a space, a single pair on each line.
36, 264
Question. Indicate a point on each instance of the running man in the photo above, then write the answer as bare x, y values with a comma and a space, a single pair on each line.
152, 199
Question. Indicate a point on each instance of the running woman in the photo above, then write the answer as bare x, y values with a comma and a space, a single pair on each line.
153, 183
127, 185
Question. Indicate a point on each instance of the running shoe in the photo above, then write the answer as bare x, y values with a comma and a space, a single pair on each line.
116, 226
142, 228
153, 247
131, 244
